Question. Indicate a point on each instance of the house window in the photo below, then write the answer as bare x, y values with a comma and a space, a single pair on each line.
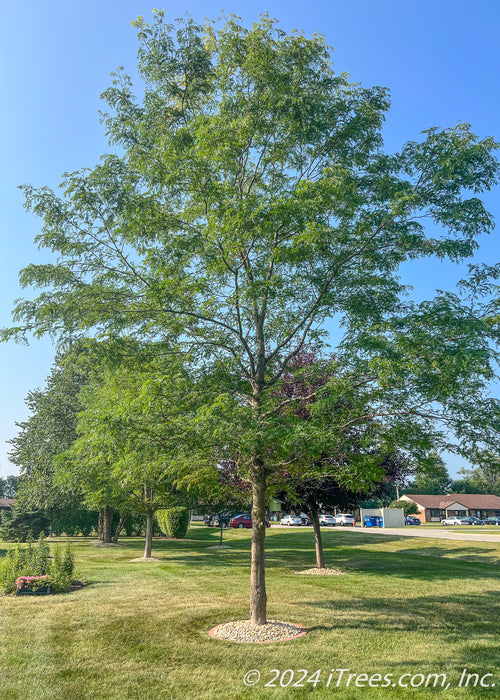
435, 513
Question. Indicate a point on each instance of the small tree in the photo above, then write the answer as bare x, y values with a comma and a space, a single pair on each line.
132, 430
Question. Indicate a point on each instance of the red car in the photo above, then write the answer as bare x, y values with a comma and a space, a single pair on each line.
243, 520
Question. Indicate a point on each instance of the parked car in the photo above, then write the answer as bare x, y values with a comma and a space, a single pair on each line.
492, 520
344, 519
412, 520
306, 520
243, 520
474, 521
291, 520
214, 520
455, 520
327, 520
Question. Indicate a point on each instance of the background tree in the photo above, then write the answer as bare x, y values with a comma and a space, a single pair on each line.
9, 486
431, 478
19, 523
484, 477
132, 431
319, 491
248, 202
49, 431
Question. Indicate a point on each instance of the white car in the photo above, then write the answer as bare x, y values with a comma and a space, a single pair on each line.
455, 520
290, 520
327, 520
344, 519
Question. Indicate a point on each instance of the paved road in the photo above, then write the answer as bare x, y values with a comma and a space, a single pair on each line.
434, 532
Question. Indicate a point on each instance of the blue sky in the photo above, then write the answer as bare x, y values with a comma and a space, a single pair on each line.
439, 60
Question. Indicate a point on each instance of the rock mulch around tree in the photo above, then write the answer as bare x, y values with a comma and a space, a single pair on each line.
144, 559
242, 631
97, 543
321, 572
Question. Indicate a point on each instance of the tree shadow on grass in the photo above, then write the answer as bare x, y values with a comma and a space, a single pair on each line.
471, 554
407, 566
456, 614
289, 552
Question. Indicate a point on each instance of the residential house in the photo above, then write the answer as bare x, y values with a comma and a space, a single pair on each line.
436, 508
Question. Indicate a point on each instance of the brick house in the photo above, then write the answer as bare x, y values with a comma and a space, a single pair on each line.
436, 508
6, 503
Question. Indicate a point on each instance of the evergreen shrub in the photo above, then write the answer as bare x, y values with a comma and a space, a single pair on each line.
173, 522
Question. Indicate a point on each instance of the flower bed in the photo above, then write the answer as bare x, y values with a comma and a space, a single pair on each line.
34, 585
33, 570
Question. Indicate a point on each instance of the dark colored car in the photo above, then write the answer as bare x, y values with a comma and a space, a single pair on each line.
243, 520
306, 520
412, 520
215, 520
492, 520
474, 521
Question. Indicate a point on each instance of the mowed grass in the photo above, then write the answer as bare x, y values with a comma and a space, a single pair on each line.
140, 630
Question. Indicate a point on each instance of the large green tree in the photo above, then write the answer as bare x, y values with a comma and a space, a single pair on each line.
249, 200
49, 430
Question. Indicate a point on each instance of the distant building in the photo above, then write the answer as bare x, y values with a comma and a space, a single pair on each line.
6, 503
436, 508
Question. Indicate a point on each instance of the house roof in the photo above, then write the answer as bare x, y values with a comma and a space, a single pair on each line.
6, 502
477, 501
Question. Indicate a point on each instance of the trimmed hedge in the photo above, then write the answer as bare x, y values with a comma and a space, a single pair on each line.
173, 522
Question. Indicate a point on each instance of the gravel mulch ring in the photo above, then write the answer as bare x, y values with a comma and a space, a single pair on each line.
104, 544
219, 546
322, 572
242, 631
144, 559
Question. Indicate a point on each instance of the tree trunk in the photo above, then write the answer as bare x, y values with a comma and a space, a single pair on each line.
320, 561
149, 535
100, 521
105, 518
119, 527
258, 598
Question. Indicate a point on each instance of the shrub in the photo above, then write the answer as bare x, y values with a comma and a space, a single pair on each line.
173, 522
409, 507
32, 563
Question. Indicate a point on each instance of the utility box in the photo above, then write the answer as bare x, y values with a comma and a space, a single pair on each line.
382, 517
393, 517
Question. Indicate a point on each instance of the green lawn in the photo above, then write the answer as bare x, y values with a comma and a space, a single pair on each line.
139, 630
